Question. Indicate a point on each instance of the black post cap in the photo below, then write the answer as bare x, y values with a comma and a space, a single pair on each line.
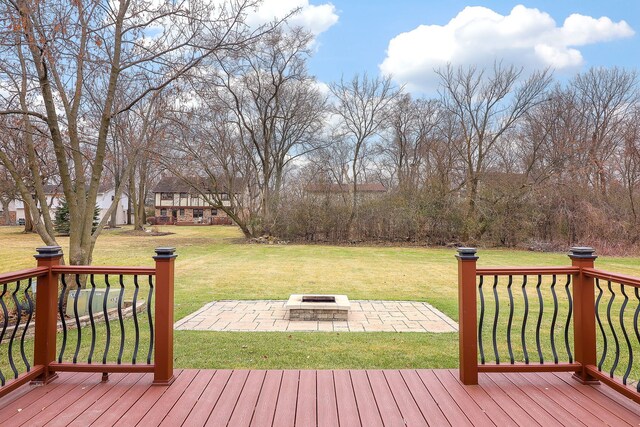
467, 253
582, 252
48, 252
165, 253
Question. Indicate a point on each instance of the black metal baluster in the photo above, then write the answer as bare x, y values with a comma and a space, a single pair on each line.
120, 319
63, 319
5, 323
14, 296
26, 325
524, 319
540, 313
553, 319
613, 331
91, 319
495, 320
106, 318
635, 325
75, 314
604, 336
481, 320
626, 336
510, 322
135, 319
150, 320
568, 323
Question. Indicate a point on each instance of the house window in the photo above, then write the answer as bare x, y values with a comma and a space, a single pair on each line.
184, 195
163, 212
224, 196
166, 196
181, 212
198, 213
214, 212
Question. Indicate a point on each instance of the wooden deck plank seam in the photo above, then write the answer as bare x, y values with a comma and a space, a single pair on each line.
386, 381
553, 406
425, 390
518, 402
595, 408
472, 399
356, 396
253, 413
493, 397
238, 399
219, 396
177, 399
450, 398
617, 403
404, 381
471, 402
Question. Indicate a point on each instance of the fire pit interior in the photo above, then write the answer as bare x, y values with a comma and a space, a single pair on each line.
318, 307
318, 298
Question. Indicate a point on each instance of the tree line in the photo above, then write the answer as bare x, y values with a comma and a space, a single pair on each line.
125, 92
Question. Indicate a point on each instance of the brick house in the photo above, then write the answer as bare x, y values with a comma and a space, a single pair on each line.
366, 191
176, 202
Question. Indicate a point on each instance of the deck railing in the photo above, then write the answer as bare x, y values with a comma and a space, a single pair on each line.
543, 319
45, 302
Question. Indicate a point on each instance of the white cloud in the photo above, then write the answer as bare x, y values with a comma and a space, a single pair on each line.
477, 35
315, 19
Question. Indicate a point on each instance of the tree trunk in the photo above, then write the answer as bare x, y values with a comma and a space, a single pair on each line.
28, 223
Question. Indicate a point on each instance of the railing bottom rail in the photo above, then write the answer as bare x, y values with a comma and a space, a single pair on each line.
613, 383
22, 379
523, 367
95, 367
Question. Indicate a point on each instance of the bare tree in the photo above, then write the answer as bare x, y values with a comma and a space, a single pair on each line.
362, 106
63, 63
276, 109
486, 105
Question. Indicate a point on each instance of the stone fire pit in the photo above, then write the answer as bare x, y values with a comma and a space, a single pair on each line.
318, 307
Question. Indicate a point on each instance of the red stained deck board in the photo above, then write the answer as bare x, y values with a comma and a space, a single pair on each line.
156, 413
285, 414
555, 409
224, 408
385, 400
472, 407
423, 398
407, 405
327, 405
27, 395
202, 409
345, 399
49, 403
622, 407
324, 398
266, 405
520, 397
455, 415
502, 399
101, 406
596, 409
367, 407
306, 407
247, 401
78, 406
181, 410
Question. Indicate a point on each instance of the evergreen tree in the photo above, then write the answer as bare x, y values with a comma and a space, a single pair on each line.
61, 221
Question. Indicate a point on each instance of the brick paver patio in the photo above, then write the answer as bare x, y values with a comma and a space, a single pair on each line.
365, 316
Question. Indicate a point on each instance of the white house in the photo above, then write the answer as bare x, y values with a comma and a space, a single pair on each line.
55, 196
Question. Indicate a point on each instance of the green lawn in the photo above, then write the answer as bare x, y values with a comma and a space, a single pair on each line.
215, 263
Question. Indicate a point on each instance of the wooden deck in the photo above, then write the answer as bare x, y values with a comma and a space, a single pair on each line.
324, 398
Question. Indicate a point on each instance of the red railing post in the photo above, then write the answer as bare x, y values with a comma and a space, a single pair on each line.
163, 356
467, 315
584, 319
46, 316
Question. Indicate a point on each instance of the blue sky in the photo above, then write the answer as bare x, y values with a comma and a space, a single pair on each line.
357, 38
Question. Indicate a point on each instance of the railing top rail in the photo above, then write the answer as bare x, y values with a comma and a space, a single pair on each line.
514, 271
614, 277
23, 274
91, 269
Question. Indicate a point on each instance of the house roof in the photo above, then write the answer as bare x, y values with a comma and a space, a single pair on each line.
173, 184
366, 187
